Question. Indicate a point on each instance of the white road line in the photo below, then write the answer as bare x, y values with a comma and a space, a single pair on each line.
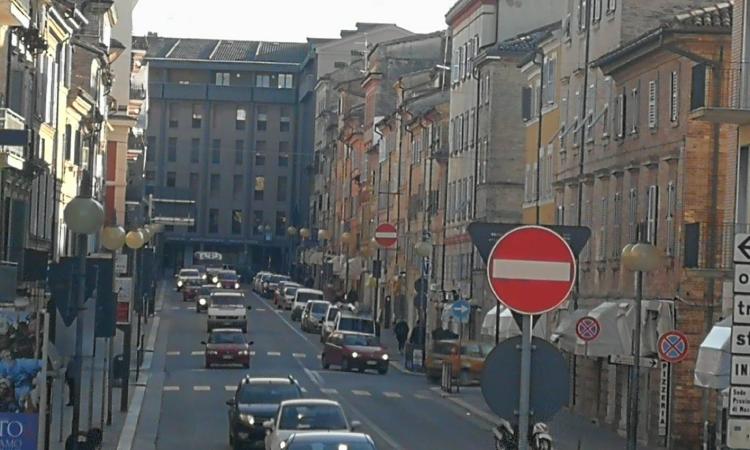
197, 353
252, 353
171, 388
392, 394
176, 308
361, 393
304, 390
261, 309
273, 354
201, 388
421, 397
299, 355
329, 391
173, 353
514, 269
230, 388
320, 356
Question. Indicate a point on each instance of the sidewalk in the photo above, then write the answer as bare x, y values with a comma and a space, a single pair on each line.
388, 339
569, 431
60, 419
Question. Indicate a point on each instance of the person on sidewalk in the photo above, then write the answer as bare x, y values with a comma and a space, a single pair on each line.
70, 379
402, 331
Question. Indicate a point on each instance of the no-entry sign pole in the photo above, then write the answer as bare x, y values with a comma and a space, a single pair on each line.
523, 405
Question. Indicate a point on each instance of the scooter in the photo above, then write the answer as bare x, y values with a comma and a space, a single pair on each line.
506, 436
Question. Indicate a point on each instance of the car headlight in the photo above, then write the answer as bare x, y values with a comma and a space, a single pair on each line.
282, 445
243, 352
179, 283
212, 352
236, 285
202, 301
215, 279
248, 419
218, 285
385, 356
355, 355
204, 276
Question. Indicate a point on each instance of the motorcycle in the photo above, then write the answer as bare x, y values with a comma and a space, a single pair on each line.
506, 436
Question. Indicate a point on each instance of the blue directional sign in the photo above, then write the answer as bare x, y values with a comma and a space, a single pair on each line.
461, 310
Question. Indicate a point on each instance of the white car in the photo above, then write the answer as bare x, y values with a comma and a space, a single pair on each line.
300, 416
329, 322
257, 280
227, 310
188, 277
301, 297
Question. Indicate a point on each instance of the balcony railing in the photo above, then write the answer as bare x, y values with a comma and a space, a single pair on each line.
138, 93
13, 138
719, 258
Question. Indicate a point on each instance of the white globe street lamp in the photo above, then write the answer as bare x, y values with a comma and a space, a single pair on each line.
113, 238
134, 240
84, 215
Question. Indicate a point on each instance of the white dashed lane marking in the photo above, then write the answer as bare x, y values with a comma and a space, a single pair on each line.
197, 353
329, 391
201, 388
361, 393
274, 354
171, 388
173, 353
392, 394
230, 388
299, 355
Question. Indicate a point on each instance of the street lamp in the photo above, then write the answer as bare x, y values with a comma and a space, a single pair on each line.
83, 215
304, 233
134, 240
323, 235
113, 239
346, 239
640, 257
424, 250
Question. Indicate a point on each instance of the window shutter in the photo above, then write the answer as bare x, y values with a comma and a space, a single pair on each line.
551, 82
526, 103
674, 105
652, 107
653, 214
622, 118
671, 211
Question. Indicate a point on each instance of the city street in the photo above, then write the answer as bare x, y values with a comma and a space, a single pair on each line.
398, 410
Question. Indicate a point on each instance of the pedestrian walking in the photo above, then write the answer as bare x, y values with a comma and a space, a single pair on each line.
70, 379
402, 331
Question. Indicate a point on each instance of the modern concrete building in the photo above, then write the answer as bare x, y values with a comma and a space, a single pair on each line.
223, 130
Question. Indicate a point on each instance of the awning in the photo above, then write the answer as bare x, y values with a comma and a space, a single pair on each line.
508, 327
714, 357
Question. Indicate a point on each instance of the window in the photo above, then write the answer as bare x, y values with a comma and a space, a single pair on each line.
213, 220
470, 55
632, 215
194, 180
239, 151
236, 221
214, 184
601, 241
472, 127
260, 159
698, 87
560, 215
172, 149
285, 125
237, 185
197, 116
674, 101
150, 148
455, 67
621, 115
195, 149
257, 221
671, 213
263, 81
260, 187
611, 6
652, 216
483, 161
550, 83
635, 110
283, 161
262, 122
222, 78
526, 106
461, 59
281, 189
582, 19
172, 111
597, 10
286, 81
617, 225
487, 89
216, 151
171, 179
149, 175
280, 223
240, 119
653, 96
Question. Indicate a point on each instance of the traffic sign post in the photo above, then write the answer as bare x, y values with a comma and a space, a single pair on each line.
531, 270
738, 429
386, 235
587, 329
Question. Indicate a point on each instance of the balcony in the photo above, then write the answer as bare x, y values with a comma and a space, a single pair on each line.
14, 138
726, 109
14, 13
138, 93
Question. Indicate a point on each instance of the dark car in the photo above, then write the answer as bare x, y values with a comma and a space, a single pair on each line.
203, 294
255, 401
352, 351
330, 440
227, 346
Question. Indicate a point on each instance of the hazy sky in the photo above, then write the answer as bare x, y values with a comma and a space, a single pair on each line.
282, 20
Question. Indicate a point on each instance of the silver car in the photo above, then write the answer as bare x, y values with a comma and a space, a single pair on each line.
300, 416
330, 440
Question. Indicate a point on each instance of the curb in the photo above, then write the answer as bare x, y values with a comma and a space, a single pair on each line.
398, 366
486, 416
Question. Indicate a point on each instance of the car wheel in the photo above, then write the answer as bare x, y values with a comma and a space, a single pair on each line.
246, 365
326, 365
383, 370
208, 365
362, 369
244, 329
345, 365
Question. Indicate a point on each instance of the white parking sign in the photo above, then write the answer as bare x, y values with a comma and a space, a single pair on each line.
742, 279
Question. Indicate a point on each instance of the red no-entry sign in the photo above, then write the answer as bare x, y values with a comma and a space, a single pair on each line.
531, 270
386, 235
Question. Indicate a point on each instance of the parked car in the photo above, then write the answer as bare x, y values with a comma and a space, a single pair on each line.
467, 368
355, 351
188, 277
227, 279
203, 294
348, 321
255, 401
227, 309
296, 417
330, 440
328, 322
285, 288
272, 283
301, 297
257, 281
313, 315
227, 346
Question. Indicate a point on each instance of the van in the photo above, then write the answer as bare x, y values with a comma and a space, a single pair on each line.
227, 310
301, 297
347, 321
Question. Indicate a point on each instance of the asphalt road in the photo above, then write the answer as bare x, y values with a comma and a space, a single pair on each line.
398, 410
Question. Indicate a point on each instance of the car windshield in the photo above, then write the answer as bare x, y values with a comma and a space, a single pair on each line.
304, 297
312, 417
226, 338
206, 290
277, 278
361, 340
228, 276
267, 393
356, 324
319, 308
471, 349
290, 291
443, 348
189, 273
314, 443
227, 300
332, 313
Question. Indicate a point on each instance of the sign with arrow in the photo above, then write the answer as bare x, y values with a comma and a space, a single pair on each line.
461, 310
742, 248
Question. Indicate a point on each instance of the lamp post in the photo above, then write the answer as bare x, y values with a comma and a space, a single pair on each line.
304, 234
113, 239
84, 216
639, 257
424, 250
267, 236
346, 239
292, 232
323, 237
133, 240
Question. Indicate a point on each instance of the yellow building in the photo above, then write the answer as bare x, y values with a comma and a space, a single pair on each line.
541, 147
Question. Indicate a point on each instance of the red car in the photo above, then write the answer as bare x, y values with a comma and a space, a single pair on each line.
355, 351
227, 279
227, 346
189, 292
